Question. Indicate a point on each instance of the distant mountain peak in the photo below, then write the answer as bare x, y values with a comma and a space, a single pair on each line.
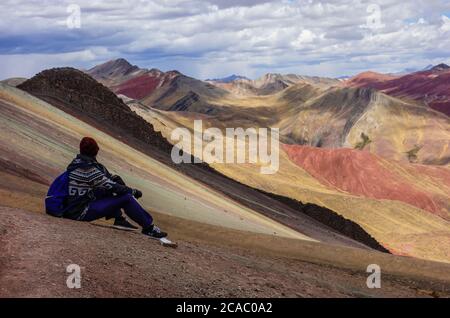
114, 64
114, 71
117, 66
228, 79
120, 61
174, 72
440, 67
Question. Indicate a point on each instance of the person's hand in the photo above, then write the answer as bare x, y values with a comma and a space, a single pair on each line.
137, 194
118, 179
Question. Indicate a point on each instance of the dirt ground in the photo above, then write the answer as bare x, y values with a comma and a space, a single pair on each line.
36, 250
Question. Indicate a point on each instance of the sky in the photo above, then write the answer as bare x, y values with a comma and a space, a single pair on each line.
216, 38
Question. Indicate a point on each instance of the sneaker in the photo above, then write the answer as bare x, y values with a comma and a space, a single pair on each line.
122, 224
154, 232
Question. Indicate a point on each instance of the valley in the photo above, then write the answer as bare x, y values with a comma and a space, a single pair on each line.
349, 191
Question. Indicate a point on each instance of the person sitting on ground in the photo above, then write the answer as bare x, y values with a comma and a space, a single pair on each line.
94, 194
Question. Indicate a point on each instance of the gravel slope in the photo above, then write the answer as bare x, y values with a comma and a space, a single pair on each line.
35, 250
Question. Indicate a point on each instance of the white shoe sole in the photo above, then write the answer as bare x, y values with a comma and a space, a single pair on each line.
154, 238
168, 243
164, 241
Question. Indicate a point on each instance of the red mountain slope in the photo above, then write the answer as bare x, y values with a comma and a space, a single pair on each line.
369, 79
364, 174
145, 84
431, 87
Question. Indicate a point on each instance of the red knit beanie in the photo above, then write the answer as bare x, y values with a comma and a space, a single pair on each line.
89, 147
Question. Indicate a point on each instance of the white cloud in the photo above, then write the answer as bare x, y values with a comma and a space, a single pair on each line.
445, 24
305, 37
217, 37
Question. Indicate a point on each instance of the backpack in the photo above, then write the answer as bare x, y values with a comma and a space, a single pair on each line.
57, 195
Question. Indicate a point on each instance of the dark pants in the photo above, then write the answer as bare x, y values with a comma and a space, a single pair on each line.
111, 207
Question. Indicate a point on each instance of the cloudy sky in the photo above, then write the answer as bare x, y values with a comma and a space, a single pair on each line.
215, 38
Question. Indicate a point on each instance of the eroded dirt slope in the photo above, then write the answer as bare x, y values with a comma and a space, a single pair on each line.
36, 249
